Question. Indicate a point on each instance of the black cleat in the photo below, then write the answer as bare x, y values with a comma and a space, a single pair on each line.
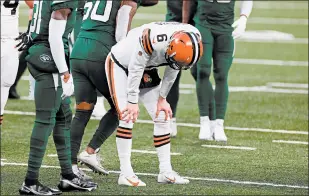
38, 189
13, 93
77, 184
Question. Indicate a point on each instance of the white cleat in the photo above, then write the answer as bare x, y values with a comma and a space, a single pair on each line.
219, 134
131, 180
99, 109
205, 131
172, 178
80, 173
93, 161
173, 127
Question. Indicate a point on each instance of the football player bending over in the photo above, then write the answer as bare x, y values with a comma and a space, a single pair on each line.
94, 41
131, 70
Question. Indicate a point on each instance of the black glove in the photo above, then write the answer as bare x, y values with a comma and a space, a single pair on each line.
25, 38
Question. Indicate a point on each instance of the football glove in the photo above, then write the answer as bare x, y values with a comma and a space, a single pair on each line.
67, 86
24, 43
25, 38
239, 27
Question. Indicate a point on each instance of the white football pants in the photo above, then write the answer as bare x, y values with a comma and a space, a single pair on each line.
117, 81
9, 67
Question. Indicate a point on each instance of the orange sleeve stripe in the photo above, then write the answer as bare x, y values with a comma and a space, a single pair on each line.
161, 138
146, 41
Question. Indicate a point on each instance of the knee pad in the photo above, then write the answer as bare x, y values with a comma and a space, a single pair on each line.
204, 71
220, 76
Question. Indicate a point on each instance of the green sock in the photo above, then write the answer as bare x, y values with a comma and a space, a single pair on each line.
62, 138
108, 125
39, 138
79, 123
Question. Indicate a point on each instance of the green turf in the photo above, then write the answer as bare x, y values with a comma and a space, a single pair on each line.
270, 162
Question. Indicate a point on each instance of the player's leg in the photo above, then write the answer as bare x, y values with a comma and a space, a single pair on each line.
47, 101
204, 88
172, 99
62, 140
116, 78
85, 96
21, 69
108, 122
9, 66
223, 57
161, 137
61, 135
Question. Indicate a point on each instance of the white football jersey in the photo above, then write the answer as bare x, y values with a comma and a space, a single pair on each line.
145, 48
9, 18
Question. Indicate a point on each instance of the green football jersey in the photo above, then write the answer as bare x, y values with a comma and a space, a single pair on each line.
99, 21
174, 10
42, 10
215, 14
79, 17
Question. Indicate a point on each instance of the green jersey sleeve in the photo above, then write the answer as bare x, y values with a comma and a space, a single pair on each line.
64, 4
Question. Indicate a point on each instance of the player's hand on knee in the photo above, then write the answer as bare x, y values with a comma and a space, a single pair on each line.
164, 106
130, 113
67, 85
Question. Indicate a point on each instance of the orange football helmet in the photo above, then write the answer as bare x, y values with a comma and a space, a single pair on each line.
184, 50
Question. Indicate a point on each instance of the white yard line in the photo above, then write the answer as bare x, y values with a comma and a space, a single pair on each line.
251, 20
270, 62
133, 150
262, 89
229, 147
280, 41
190, 125
190, 178
290, 142
185, 88
3, 159
152, 152
288, 85
279, 5
52, 155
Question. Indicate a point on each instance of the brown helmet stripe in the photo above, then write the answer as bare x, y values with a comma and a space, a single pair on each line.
193, 45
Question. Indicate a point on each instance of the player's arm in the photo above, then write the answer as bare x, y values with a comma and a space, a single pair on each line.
137, 65
168, 80
146, 3
57, 26
124, 18
186, 10
241, 23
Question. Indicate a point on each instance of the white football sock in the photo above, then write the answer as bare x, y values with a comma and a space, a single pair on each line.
162, 143
220, 122
213, 125
204, 119
124, 147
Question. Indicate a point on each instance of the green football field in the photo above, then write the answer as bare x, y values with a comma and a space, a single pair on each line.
266, 121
